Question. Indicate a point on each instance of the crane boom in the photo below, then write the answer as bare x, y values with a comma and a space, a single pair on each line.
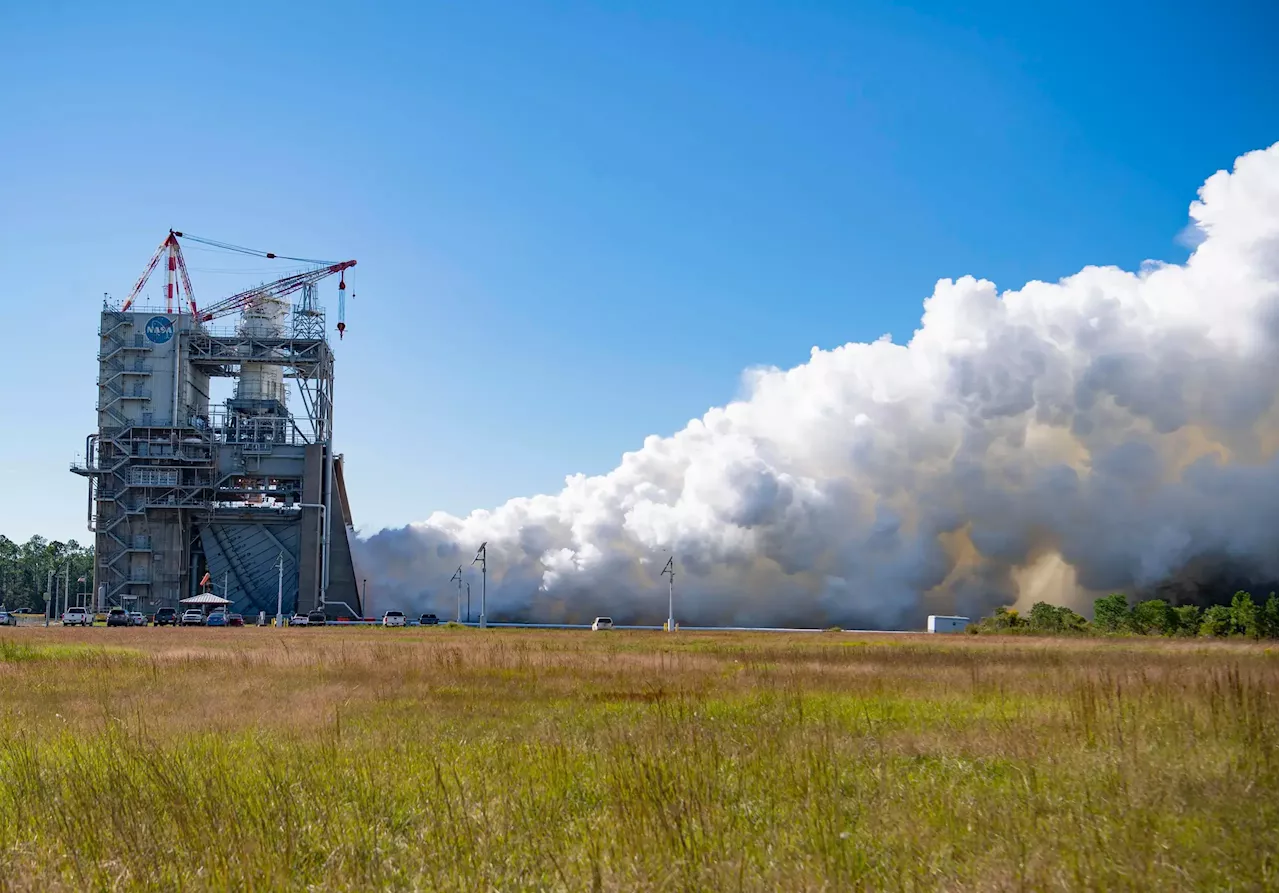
176, 264
278, 289
245, 299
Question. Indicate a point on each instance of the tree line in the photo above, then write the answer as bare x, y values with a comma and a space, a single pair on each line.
1113, 614
25, 569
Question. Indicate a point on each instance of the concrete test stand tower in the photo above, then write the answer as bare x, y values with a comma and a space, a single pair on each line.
235, 496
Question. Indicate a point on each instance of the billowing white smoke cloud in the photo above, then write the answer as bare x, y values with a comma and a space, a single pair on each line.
1116, 425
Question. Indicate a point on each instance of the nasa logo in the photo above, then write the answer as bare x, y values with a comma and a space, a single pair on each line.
159, 329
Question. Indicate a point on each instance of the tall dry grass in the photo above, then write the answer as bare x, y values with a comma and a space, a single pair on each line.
465, 760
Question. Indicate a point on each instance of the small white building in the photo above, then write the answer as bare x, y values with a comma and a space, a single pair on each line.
941, 624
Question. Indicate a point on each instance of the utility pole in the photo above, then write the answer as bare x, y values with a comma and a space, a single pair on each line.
48, 591
468, 602
457, 577
66, 586
280, 592
481, 557
670, 572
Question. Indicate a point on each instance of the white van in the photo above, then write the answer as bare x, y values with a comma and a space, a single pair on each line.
602, 623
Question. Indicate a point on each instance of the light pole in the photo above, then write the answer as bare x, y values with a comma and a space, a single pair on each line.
280, 592
481, 557
670, 572
457, 577
468, 602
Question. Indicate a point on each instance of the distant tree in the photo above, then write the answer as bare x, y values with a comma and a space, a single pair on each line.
1111, 614
1245, 615
25, 569
1044, 617
1270, 620
1071, 621
1217, 621
1188, 619
1154, 617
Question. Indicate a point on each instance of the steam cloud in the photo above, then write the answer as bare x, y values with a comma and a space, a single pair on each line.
1096, 434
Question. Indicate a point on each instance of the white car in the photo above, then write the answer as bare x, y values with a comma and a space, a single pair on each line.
299, 620
602, 623
393, 618
77, 617
137, 618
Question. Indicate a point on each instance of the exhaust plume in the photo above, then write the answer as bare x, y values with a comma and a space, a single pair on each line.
1105, 432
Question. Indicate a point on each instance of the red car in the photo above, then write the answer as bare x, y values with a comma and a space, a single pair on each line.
235, 620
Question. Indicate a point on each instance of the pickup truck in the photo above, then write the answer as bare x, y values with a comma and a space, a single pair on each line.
77, 617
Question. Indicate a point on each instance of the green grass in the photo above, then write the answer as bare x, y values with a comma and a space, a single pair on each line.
471, 760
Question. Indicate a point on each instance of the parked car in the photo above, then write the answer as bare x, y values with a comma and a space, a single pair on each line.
117, 617
166, 617
137, 618
8, 618
193, 617
298, 620
235, 620
428, 620
77, 617
217, 618
602, 623
316, 618
393, 618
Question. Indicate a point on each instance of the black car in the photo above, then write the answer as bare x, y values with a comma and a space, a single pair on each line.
117, 617
316, 618
428, 620
166, 617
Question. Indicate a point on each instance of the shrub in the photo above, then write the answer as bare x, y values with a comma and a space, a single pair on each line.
1044, 617
1270, 622
1188, 617
1154, 617
1003, 620
1217, 621
1111, 614
1245, 615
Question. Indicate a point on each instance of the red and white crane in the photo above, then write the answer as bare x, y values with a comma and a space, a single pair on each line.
249, 298
176, 265
279, 289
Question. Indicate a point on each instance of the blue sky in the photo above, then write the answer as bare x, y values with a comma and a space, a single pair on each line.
576, 223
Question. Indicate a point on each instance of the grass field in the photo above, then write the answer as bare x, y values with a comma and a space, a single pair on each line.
173, 759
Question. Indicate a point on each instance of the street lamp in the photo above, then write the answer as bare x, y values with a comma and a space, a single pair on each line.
481, 557
669, 571
457, 577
